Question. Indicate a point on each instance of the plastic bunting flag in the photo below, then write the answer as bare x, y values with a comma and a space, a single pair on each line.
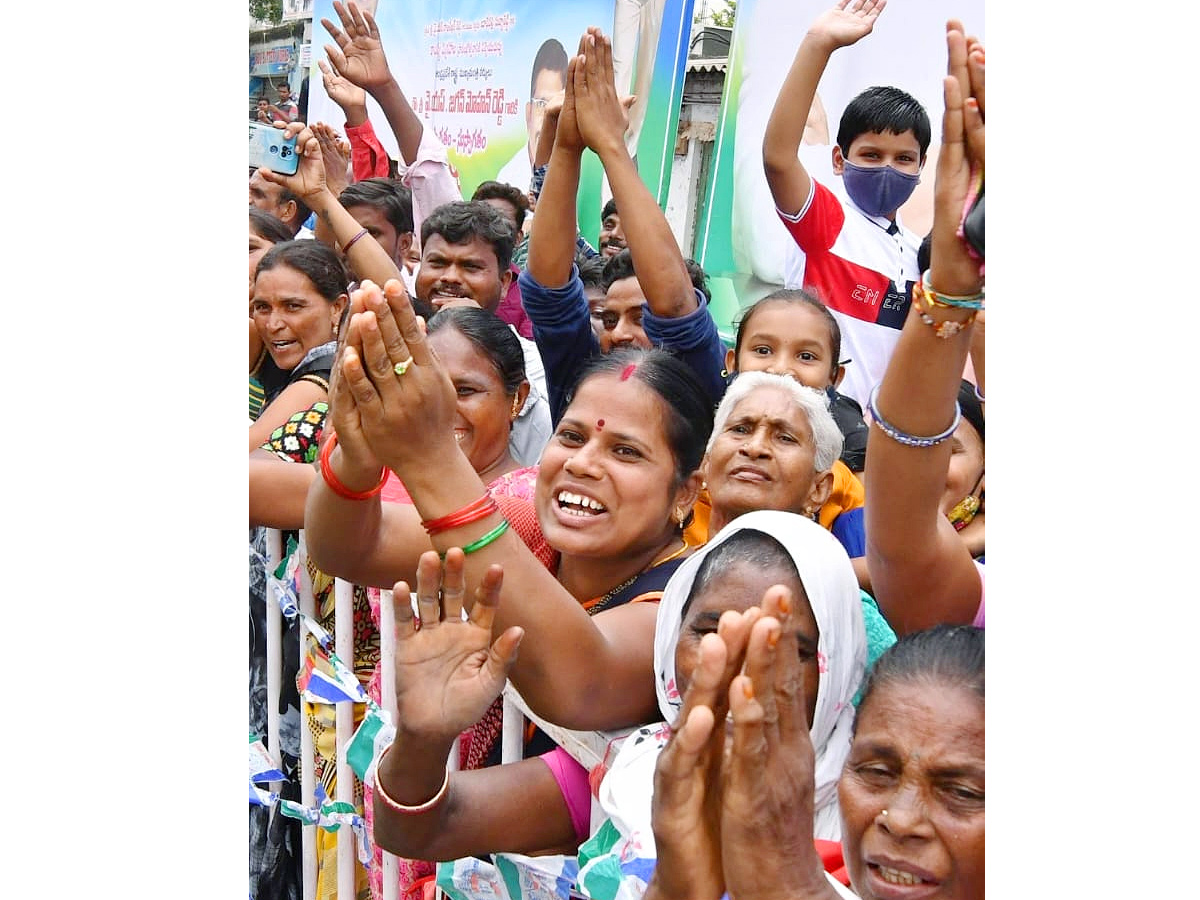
512, 877
321, 687
375, 733
262, 766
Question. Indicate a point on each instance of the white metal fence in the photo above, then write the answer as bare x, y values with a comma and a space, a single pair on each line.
587, 747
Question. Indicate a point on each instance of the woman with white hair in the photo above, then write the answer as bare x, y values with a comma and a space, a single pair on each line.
773, 446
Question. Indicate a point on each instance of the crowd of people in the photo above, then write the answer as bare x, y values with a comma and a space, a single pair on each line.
760, 567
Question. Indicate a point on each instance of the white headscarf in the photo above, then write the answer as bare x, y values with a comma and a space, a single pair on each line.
832, 589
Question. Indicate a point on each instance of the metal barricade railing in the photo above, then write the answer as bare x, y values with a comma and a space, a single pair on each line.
587, 747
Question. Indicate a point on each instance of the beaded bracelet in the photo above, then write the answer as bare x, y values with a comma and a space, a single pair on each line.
902, 437
400, 807
350, 243
937, 298
472, 512
945, 329
335, 483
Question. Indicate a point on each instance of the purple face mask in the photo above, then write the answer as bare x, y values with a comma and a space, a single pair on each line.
878, 190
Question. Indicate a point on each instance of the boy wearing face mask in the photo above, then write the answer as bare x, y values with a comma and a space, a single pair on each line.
858, 258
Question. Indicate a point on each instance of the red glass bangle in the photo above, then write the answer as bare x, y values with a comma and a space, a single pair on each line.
335, 484
472, 512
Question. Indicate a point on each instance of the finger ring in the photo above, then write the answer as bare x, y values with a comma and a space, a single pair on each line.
401, 367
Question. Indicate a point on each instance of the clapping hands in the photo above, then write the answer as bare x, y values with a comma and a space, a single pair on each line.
718, 800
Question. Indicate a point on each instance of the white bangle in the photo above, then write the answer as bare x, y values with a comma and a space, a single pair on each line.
400, 807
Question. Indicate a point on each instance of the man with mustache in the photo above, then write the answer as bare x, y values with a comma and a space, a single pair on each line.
612, 238
466, 251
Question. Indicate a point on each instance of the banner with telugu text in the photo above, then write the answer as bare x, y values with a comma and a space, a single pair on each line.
478, 71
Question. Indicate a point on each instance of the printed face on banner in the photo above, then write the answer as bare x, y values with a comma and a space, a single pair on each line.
547, 84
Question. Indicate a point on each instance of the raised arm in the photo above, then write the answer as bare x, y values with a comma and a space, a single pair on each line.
602, 119
552, 235
359, 58
366, 258
847, 23
921, 570
576, 671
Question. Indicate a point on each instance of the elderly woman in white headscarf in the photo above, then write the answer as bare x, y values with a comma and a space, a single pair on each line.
730, 573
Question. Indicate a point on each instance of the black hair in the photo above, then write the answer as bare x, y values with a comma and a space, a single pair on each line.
699, 278
972, 409
268, 227
689, 420
591, 272
391, 198
925, 253
550, 57
942, 656
879, 109
802, 297
749, 545
460, 221
302, 210
621, 266
312, 259
610, 208
617, 267
499, 190
491, 336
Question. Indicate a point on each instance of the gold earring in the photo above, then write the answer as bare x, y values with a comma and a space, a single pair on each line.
516, 407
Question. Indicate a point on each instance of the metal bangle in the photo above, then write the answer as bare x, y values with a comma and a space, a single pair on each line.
903, 437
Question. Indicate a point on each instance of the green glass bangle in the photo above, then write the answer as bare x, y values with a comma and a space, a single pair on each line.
486, 539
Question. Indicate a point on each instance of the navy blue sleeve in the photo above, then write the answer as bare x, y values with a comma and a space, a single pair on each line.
694, 339
849, 528
562, 330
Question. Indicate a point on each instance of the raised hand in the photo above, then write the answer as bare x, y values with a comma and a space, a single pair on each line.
341, 90
359, 55
848, 22
565, 123
335, 153
448, 670
353, 460
404, 402
768, 788
601, 116
309, 179
961, 157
